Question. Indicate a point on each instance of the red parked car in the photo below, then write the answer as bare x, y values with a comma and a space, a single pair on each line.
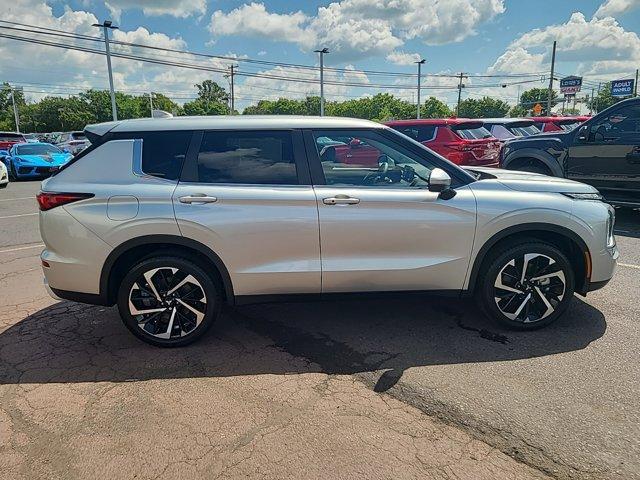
461, 140
9, 139
558, 124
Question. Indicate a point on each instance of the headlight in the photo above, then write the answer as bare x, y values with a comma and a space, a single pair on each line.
611, 239
584, 196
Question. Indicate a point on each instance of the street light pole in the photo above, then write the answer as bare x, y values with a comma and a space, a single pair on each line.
151, 102
16, 117
233, 93
460, 86
553, 65
322, 52
106, 26
420, 63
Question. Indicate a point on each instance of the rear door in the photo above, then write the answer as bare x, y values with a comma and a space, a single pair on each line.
608, 157
247, 196
381, 229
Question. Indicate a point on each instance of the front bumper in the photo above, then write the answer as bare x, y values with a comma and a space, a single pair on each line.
31, 171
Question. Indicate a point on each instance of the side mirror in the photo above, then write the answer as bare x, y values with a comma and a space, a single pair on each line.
439, 180
583, 133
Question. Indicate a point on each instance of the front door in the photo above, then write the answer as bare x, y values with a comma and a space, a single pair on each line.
381, 229
608, 155
246, 195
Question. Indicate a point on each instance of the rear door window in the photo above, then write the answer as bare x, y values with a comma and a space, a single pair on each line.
249, 157
163, 153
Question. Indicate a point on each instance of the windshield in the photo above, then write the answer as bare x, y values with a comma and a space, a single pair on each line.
472, 133
30, 149
523, 131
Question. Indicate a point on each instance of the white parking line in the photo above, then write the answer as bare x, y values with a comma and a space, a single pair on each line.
15, 199
629, 265
20, 215
40, 245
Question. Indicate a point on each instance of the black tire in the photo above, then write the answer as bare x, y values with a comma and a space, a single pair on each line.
13, 176
202, 296
4, 185
535, 167
508, 262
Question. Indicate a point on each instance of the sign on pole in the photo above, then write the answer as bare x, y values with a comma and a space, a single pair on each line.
570, 85
622, 88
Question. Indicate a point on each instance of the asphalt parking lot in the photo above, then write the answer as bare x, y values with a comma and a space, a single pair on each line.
403, 388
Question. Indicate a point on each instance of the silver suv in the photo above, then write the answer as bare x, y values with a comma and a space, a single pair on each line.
172, 218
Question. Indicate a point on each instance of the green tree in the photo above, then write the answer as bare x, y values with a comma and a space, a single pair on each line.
603, 99
434, 108
212, 100
531, 97
485, 107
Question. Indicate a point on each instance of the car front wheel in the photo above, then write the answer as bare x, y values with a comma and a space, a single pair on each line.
168, 301
526, 286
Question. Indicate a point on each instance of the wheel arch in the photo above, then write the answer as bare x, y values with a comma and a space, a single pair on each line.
532, 153
566, 240
127, 253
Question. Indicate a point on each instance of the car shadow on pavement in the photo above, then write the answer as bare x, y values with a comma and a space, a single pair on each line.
71, 343
627, 222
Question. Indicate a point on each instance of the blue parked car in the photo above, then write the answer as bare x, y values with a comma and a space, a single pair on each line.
34, 160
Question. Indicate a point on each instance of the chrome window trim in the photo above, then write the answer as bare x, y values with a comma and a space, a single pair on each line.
137, 164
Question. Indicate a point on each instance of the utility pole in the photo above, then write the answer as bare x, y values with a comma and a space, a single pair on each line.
151, 102
231, 86
106, 26
460, 86
635, 85
591, 102
553, 66
420, 63
322, 52
16, 117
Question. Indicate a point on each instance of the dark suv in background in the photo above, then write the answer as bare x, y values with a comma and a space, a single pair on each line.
604, 152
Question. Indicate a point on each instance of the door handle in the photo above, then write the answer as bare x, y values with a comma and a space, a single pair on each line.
198, 198
341, 200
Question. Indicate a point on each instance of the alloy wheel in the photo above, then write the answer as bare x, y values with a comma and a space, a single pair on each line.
529, 288
167, 302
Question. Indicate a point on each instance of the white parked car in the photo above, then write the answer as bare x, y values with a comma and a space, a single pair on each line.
4, 175
171, 218
73, 142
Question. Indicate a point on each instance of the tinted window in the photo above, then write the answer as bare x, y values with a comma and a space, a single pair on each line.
420, 133
366, 158
622, 122
163, 152
259, 158
11, 137
472, 133
78, 136
523, 131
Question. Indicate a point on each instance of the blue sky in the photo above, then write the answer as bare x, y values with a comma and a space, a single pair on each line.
498, 37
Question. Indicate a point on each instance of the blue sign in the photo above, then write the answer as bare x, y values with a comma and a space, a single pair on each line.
622, 88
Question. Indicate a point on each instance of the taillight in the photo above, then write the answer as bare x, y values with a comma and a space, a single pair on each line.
49, 200
460, 147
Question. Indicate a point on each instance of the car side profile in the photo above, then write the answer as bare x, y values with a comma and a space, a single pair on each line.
604, 152
461, 140
172, 218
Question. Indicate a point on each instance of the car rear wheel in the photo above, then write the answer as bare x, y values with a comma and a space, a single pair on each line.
12, 172
168, 301
526, 286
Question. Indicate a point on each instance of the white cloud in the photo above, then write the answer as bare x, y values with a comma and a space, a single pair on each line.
403, 58
611, 8
353, 29
175, 8
596, 46
254, 20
